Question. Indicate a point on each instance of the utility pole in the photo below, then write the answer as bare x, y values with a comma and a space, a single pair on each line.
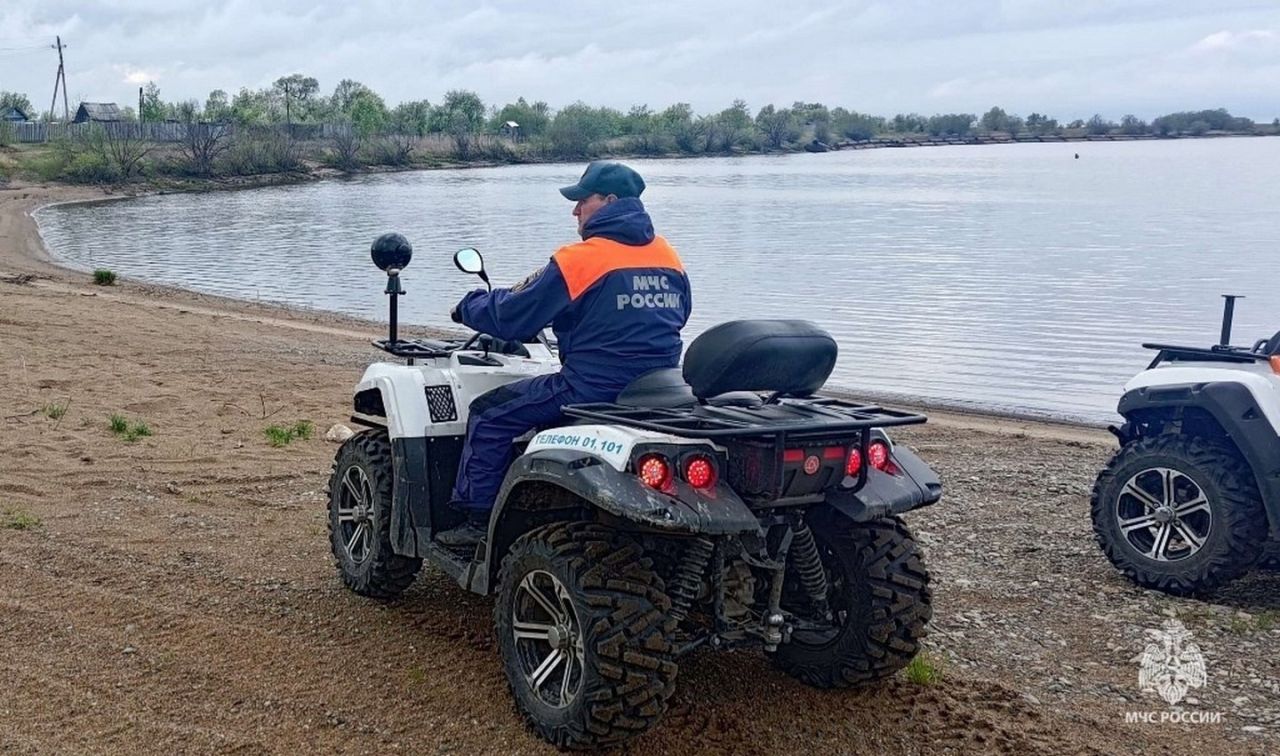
61, 78
140, 119
288, 119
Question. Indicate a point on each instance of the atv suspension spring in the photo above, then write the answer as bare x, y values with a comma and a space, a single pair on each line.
808, 567
687, 579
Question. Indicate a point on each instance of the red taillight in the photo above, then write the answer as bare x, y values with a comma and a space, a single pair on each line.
833, 452
878, 453
793, 455
699, 472
654, 470
854, 464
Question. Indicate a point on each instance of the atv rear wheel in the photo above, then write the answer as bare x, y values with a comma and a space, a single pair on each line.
584, 628
1270, 559
360, 518
880, 604
1178, 514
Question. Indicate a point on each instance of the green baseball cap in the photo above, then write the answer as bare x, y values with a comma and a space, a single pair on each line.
605, 177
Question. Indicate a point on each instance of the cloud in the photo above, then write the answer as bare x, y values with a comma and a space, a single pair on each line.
1066, 57
137, 76
1227, 40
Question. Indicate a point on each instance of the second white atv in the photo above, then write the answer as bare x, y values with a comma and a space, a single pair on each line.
719, 506
1192, 498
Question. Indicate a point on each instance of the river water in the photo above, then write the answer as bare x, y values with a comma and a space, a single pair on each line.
1015, 278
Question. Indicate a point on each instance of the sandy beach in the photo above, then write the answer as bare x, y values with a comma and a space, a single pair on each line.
174, 593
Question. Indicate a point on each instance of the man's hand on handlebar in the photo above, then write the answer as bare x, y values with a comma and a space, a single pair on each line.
501, 346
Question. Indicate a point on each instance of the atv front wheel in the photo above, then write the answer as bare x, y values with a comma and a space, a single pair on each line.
584, 628
879, 600
360, 518
1178, 514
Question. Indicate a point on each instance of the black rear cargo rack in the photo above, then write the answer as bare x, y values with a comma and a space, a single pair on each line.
421, 349
1169, 353
786, 417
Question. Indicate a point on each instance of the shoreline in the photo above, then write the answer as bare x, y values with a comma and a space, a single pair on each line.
321, 172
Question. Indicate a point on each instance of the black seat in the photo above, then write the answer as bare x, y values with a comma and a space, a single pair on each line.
725, 365
792, 357
665, 388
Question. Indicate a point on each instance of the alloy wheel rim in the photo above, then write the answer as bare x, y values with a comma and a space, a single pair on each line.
355, 514
1164, 514
548, 639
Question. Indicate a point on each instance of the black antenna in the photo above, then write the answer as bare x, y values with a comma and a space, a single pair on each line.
394, 290
1228, 313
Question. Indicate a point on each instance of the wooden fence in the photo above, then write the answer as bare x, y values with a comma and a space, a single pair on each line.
177, 132
151, 132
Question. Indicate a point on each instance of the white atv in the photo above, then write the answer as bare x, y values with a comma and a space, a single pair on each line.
1192, 497
718, 507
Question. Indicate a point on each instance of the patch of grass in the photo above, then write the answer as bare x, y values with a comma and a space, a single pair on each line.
922, 671
278, 435
281, 435
17, 519
121, 427
1262, 622
1239, 625
416, 676
104, 277
54, 410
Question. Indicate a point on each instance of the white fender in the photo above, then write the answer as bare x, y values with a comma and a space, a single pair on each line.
1258, 378
403, 392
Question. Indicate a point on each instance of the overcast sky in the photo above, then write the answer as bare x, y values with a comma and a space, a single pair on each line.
1066, 58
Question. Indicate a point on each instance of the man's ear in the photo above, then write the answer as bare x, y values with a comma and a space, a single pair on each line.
610, 198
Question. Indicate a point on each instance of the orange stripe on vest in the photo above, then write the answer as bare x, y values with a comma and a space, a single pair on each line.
584, 263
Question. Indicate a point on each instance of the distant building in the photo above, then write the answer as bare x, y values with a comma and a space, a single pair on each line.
13, 115
511, 129
97, 112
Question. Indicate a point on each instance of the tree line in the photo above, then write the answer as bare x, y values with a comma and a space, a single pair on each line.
267, 130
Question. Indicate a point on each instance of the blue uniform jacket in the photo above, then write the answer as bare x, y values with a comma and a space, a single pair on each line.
616, 301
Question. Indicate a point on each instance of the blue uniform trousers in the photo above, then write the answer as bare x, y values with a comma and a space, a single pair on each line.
502, 415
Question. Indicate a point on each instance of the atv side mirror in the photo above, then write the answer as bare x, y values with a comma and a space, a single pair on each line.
468, 260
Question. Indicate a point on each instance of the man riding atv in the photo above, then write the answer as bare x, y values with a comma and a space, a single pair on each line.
659, 510
616, 302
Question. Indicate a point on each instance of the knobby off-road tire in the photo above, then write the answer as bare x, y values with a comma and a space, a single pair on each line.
1233, 532
1270, 559
880, 598
626, 671
360, 497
